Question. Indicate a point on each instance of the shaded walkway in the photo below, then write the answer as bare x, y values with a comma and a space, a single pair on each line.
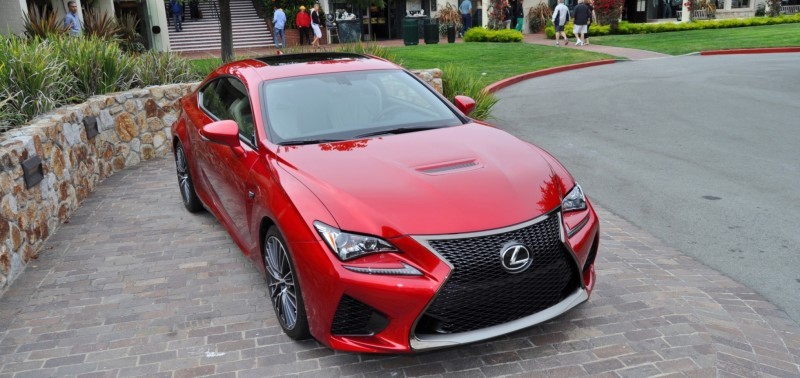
134, 285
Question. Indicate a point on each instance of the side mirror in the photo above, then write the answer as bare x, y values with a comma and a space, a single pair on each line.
224, 132
465, 104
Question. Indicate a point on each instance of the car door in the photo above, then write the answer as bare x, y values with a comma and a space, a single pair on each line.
226, 168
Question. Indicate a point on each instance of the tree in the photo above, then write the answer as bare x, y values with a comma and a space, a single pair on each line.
226, 30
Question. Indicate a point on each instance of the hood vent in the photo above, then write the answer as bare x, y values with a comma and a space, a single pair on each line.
450, 167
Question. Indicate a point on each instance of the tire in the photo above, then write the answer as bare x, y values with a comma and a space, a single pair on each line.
283, 287
185, 183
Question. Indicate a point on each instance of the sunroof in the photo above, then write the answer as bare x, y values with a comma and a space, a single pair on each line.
284, 59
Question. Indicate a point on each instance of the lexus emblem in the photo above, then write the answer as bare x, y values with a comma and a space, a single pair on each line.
515, 258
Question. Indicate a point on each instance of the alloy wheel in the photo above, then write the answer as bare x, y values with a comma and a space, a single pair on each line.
281, 282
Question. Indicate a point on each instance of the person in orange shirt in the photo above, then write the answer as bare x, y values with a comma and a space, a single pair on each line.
303, 23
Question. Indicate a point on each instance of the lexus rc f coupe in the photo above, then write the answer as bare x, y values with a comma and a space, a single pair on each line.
383, 217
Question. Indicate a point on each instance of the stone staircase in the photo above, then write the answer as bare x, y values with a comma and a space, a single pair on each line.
249, 31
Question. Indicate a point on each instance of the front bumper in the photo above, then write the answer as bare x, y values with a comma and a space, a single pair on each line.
383, 313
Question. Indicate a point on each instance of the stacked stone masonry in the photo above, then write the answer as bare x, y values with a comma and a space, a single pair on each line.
134, 126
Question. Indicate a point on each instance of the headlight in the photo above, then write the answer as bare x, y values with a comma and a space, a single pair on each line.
347, 246
574, 200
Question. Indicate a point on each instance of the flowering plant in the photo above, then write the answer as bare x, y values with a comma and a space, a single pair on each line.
608, 11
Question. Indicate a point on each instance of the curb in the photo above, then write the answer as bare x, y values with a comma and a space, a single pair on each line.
761, 50
496, 86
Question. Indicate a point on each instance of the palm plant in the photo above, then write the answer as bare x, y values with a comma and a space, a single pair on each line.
101, 25
129, 38
538, 16
42, 23
447, 16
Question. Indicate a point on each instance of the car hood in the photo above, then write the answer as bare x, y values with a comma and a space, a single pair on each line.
442, 181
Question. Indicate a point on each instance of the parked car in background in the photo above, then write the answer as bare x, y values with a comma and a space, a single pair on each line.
383, 217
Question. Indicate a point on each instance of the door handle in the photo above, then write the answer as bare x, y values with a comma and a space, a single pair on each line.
251, 195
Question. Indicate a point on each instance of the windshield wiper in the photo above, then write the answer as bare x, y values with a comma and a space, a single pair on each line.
297, 142
398, 130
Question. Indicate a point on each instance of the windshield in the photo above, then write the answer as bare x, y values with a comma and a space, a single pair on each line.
350, 105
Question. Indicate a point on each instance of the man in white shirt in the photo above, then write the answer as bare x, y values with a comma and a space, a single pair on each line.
560, 18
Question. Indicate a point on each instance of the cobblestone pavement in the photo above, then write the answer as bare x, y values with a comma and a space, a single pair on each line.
134, 285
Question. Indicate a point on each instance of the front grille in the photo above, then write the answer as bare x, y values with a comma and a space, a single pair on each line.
480, 293
355, 318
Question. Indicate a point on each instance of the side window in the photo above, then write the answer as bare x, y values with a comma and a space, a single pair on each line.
227, 98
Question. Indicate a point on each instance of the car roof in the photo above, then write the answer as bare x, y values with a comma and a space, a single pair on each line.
291, 65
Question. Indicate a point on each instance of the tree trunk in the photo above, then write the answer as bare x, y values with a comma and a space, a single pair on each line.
226, 30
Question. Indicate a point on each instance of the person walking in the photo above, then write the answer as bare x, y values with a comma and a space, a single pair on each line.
176, 8
71, 20
560, 18
507, 15
520, 14
315, 25
194, 9
592, 19
466, 16
582, 15
279, 22
303, 23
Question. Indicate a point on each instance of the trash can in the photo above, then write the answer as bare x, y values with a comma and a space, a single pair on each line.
431, 28
451, 33
410, 31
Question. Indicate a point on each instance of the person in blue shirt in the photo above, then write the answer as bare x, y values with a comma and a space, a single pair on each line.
279, 21
176, 8
71, 21
466, 15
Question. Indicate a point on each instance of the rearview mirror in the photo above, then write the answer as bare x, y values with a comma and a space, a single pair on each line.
224, 132
465, 104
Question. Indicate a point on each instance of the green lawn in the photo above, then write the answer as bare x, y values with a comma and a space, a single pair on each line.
496, 60
684, 42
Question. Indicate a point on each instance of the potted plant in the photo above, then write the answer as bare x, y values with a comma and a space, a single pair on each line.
449, 20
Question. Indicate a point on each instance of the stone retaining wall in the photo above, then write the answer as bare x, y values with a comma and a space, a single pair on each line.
133, 126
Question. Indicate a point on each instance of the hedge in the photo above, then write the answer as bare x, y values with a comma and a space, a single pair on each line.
629, 28
486, 35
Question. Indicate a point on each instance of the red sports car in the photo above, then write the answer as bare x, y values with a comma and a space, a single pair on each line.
384, 218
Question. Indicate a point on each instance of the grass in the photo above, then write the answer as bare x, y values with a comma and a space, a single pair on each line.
685, 42
489, 61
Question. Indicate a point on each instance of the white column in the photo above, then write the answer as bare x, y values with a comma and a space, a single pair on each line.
158, 17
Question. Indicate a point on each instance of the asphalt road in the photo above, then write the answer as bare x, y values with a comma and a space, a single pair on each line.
702, 152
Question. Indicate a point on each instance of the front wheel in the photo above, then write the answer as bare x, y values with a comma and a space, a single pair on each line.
283, 287
185, 183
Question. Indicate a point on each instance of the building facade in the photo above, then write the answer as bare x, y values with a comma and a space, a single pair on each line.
151, 14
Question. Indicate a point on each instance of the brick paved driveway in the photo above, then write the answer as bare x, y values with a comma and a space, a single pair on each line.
136, 286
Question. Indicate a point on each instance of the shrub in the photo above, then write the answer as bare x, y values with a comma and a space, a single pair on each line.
370, 48
761, 10
159, 68
538, 17
100, 25
448, 15
457, 81
608, 11
628, 28
774, 8
129, 38
100, 66
42, 23
36, 75
485, 35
